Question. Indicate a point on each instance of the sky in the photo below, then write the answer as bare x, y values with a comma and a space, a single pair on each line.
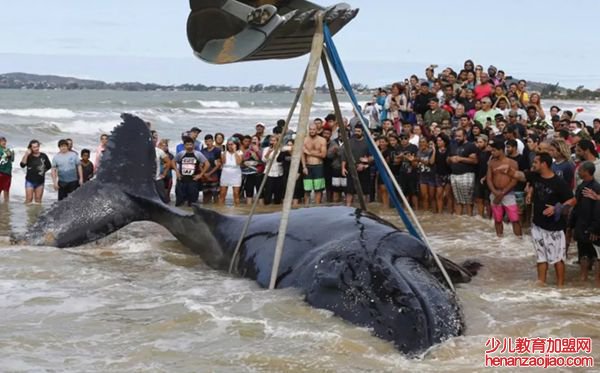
145, 40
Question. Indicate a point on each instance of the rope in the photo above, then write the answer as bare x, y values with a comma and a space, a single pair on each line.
387, 177
344, 133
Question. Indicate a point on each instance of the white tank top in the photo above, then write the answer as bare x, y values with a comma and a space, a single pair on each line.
230, 161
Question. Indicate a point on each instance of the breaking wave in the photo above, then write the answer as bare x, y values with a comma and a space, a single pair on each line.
88, 127
51, 113
219, 104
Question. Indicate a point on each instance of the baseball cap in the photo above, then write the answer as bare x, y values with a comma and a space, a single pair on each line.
486, 99
195, 129
260, 124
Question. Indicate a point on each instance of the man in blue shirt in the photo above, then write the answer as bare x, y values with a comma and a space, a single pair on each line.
67, 174
193, 133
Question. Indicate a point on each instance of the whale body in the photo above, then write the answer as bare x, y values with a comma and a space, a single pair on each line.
342, 259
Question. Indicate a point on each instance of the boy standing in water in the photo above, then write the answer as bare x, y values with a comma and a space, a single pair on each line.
7, 157
87, 167
67, 174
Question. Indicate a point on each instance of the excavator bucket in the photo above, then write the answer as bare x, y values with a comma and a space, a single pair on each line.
227, 31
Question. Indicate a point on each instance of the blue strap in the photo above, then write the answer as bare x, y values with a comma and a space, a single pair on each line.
336, 63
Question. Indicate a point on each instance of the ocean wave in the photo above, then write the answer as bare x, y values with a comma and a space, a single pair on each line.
50, 113
219, 104
166, 119
114, 102
251, 113
88, 127
44, 127
329, 105
79, 126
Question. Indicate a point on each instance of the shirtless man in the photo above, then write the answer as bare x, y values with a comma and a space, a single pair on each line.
315, 151
501, 186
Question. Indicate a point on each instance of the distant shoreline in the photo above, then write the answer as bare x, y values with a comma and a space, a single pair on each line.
25, 81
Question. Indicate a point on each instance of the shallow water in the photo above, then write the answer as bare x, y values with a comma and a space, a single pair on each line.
140, 301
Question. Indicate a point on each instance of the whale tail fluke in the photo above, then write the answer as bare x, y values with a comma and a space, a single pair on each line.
123, 191
129, 159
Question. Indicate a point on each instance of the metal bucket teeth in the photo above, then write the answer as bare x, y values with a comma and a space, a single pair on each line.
227, 31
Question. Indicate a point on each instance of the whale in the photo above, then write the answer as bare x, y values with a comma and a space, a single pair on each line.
350, 262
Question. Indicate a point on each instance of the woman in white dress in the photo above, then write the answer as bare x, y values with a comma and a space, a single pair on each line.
231, 174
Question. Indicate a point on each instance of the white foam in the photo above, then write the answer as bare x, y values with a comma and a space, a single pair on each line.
329, 105
166, 119
259, 114
51, 113
219, 104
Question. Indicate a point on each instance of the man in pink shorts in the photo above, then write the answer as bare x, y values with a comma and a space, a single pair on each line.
501, 187
7, 157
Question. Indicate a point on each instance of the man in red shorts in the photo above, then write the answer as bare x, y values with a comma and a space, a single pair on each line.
7, 157
502, 186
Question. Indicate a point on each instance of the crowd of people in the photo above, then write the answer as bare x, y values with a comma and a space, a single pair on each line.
471, 142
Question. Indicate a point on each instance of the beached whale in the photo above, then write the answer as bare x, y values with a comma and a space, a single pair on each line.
356, 265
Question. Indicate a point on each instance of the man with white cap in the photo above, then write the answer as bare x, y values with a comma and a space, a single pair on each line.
487, 114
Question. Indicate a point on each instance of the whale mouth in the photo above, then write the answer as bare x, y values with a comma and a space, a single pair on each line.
438, 304
395, 296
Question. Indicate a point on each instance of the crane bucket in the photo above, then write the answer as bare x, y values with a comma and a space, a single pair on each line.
227, 31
